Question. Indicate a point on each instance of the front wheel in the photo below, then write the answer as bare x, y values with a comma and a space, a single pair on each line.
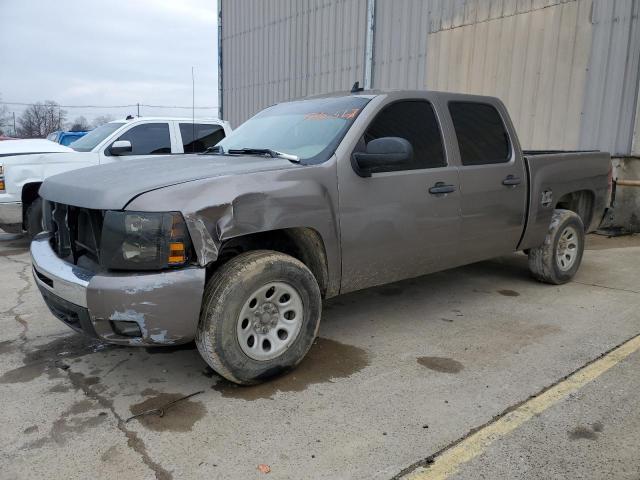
557, 260
259, 317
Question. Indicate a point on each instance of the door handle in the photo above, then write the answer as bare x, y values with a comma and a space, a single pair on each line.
511, 181
441, 188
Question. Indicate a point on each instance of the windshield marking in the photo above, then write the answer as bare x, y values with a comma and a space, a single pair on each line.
346, 114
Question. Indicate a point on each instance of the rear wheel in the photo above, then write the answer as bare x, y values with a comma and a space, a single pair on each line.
557, 260
260, 315
33, 220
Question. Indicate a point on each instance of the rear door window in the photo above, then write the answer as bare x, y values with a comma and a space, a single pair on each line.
148, 139
198, 137
416, 122
482, 136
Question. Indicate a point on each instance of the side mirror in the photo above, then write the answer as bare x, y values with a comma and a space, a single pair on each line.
383, 155
120, 147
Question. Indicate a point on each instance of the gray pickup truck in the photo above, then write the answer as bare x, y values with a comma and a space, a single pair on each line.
306, 200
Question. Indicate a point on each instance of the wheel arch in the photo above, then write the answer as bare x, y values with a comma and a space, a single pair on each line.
28, 195
581, 202
304, 243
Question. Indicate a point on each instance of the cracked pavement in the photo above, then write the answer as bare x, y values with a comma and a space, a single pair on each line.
399, 372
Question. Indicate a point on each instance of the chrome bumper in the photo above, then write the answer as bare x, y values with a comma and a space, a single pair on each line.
165, 305
11, 213
63, 279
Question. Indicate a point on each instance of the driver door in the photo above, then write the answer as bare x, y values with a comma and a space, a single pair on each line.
392, 226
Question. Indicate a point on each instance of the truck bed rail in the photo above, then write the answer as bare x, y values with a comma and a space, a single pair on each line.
554, 152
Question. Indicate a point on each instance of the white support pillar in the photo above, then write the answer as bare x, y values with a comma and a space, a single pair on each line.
368, 47
220, 82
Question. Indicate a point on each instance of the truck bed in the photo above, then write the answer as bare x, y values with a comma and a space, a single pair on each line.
555, 177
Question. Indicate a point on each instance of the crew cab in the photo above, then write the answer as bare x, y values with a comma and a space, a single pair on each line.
20, 206
306, 200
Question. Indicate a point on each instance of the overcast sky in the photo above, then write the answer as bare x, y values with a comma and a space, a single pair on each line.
109, 52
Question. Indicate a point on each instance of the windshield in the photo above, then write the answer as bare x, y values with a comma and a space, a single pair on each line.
94, 137
309, 129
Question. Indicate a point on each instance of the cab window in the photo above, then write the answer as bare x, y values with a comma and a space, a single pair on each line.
482, 136
148, 139
415, 121
197, 137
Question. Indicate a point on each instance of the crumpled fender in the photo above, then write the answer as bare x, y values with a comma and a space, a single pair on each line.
221, 208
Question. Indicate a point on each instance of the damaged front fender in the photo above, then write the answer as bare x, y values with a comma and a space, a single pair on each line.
223, 208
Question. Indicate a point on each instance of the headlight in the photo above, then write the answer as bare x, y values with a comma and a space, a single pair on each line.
144, 241
2, 187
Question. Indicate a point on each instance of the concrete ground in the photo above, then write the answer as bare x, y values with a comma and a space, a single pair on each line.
398, 373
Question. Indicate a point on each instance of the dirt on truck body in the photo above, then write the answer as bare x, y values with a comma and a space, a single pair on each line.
236, 248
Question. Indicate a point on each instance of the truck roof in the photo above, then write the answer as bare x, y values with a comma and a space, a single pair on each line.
397, 92
181, 119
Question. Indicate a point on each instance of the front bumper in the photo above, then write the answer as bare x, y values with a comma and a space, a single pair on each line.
10, 214
165, 305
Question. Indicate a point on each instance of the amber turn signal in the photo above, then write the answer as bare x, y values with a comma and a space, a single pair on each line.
177, 254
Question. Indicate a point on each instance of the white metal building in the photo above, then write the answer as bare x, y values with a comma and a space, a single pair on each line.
568, 70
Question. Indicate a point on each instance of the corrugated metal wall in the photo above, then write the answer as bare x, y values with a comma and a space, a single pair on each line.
281, 49
612, 83
531, 55
567, 69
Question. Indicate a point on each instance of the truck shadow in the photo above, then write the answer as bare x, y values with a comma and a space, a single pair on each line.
13, 244
122, 372
477, 277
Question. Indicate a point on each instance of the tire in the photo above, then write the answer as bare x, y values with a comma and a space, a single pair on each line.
229, 317
557, 260
33, 220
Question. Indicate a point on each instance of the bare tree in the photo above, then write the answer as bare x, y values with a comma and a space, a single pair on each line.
101, 120
40, 119
80, 124
5, 122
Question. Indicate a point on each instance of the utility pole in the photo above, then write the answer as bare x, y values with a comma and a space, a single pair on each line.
138, 109
15, 133
193, 111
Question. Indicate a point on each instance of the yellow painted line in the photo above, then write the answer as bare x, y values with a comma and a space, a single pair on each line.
450, 460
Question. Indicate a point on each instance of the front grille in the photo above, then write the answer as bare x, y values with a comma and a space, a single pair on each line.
76, 231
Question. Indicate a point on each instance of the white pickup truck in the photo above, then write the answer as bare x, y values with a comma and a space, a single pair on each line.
22, 174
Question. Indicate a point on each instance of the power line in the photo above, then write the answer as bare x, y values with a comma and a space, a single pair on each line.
177, 106
187, 107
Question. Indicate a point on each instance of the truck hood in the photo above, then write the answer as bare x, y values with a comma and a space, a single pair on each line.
50, 158
31, 145
113, 186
